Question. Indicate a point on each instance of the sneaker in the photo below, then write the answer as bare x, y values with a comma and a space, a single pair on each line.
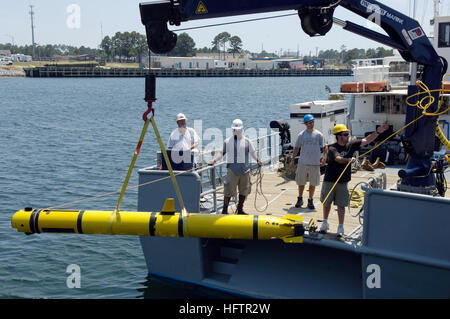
299, 202
340, 231
310, 204
324, 228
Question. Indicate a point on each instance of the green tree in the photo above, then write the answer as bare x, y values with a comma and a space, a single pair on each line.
117, 46
353, 54
235, 45
329, 54
185, 46
141, 47
220, 41
107, 48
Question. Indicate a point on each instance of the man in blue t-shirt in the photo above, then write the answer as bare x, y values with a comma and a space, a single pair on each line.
309, 143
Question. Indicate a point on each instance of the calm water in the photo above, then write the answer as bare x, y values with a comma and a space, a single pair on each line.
68, 139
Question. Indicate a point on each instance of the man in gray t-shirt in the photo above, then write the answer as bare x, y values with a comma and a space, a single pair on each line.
310, 143
238, 148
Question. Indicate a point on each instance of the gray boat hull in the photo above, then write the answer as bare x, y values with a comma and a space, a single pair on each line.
404, 253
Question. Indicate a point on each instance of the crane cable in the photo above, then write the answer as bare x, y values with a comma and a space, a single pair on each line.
419, 104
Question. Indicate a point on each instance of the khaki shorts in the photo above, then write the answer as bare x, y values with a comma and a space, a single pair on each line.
340, 194
242, 182
307, 173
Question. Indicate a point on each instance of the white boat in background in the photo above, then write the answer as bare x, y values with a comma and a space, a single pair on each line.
370, 106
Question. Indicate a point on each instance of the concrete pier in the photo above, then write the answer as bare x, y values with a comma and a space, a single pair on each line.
54, 71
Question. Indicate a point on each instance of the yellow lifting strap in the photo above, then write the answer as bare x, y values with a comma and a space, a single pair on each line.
116, 211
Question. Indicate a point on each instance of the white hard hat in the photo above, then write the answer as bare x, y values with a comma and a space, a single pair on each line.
237, 124
180, 116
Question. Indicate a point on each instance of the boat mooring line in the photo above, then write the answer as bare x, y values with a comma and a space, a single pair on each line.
275, 198
365, 174
392, 186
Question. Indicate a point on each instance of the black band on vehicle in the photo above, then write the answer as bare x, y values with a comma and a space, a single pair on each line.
79, 225
32, 221
152, 223
180, 226
34, 226
255, 228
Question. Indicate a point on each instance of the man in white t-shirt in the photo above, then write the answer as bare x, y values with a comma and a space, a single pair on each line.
184, 138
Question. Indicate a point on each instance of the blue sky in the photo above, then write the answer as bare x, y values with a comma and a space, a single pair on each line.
123, 15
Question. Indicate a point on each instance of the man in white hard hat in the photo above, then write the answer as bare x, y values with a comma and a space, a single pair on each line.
182, 142
238, 148
184, 138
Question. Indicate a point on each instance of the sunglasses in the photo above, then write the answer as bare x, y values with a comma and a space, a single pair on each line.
345, 134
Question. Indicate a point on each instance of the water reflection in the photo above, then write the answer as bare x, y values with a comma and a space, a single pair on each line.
162, 288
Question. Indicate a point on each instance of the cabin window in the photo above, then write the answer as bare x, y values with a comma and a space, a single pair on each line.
444, 35
399, 66
445, 105
391, 104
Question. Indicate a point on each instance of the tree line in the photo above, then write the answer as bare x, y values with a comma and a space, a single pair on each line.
345, 56
132, 47
186, 45
49, 50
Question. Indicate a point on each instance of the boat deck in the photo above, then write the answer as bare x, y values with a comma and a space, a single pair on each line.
281, 194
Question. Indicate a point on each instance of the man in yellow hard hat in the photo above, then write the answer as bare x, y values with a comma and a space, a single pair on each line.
339, 155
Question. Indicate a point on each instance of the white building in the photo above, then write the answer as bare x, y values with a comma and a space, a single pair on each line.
21, 58
5, 53
263, 64
171, 62
273, 64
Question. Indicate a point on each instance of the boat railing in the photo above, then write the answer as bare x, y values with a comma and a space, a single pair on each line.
208, 179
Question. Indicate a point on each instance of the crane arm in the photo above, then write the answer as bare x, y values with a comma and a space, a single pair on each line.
403, 34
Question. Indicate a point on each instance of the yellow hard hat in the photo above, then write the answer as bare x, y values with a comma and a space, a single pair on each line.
338, 128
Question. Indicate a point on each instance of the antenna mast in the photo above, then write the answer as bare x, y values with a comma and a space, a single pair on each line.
32, 31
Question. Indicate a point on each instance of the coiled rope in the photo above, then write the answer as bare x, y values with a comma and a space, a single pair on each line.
428, 98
